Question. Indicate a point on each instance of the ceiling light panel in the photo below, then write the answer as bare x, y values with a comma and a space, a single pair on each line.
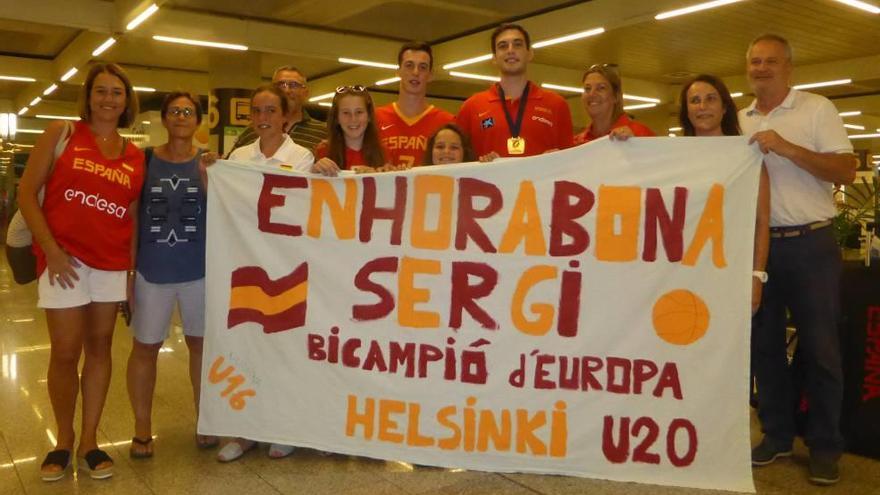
143, 16
640, 106
207, 44
568, 37
822, 84
103, 47
694, 8
468, 75
70, 73
867, 7
367, 63
18, 78
387, 81
468, 61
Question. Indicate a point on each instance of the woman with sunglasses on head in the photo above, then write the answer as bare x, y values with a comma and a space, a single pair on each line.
353, 139
707, 109
84, 243
170, 263
448, 146
603, 102
269, 106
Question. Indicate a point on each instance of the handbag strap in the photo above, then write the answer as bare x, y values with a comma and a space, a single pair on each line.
148, 155
62, 143
60, 147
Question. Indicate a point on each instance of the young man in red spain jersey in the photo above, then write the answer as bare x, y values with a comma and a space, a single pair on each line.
515, 117
406, 124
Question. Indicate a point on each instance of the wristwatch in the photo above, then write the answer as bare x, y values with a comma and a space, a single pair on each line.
762, 276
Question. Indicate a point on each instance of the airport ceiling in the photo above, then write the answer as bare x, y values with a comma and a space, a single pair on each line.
43, 39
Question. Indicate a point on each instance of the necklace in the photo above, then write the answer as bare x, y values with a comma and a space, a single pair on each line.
105, 139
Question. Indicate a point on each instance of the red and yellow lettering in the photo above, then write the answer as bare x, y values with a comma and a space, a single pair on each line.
615, 202
343, 217
441, 187
409, 295
525, 224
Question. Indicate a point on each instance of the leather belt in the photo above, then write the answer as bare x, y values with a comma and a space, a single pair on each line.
797, 230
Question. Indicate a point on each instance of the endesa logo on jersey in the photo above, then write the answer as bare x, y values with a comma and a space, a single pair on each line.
538, 118
95, 201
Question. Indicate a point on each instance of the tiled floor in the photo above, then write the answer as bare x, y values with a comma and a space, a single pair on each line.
26, 427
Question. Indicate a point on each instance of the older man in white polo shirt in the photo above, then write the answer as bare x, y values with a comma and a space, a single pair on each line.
806, 151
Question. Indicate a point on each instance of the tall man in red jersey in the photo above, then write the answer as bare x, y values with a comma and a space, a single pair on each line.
406, 124
515, 117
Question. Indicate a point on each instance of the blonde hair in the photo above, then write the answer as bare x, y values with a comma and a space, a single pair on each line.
611, 74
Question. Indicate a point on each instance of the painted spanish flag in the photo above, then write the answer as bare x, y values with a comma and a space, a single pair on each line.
277, 305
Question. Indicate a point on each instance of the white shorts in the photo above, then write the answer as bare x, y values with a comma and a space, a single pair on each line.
154, 303
93, 286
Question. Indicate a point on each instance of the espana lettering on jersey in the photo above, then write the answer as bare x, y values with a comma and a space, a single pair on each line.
109, 174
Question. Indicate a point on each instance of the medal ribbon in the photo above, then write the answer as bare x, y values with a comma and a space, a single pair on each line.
520, 113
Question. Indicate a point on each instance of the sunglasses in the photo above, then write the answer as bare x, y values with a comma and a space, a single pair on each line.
289, 85
608, 67
350, 89
186, 112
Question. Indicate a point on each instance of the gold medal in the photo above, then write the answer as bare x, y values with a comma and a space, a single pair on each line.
516, 146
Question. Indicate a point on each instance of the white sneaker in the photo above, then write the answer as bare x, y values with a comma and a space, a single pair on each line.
235, 449
277, 450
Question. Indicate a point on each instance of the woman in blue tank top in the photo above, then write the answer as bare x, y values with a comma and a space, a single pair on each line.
170, 263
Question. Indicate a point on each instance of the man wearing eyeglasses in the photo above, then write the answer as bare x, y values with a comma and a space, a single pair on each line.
806, 151
406, 124
515, 117
303, 129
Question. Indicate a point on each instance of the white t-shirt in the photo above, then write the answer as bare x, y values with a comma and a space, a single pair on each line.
289, 153
797, 197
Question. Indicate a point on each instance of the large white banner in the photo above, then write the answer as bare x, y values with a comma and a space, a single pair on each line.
585, 312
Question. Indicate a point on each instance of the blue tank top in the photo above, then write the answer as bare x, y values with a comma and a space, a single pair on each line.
171, 242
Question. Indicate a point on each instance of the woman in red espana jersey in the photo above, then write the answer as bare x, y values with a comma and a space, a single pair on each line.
83, 240
353, 139
603, 102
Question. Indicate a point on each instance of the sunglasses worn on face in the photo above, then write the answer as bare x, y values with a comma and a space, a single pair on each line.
289, 85
351, 89
177, 111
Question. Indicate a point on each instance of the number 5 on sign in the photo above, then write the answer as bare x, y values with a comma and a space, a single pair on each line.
215, 376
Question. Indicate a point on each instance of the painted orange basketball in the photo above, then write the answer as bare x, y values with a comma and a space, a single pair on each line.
680, 317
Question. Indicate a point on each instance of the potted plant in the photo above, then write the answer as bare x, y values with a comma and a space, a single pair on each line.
856, 207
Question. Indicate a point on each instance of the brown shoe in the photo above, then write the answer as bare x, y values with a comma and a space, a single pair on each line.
141, 448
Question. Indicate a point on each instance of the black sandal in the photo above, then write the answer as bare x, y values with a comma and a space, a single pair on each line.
92, 460
60, 458
147, 445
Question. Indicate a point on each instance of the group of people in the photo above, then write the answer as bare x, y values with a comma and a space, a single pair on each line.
147, 244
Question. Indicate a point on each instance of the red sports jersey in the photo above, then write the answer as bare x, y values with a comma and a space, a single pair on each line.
352, 157
545, 126
405, 139
639, 130
87, 202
